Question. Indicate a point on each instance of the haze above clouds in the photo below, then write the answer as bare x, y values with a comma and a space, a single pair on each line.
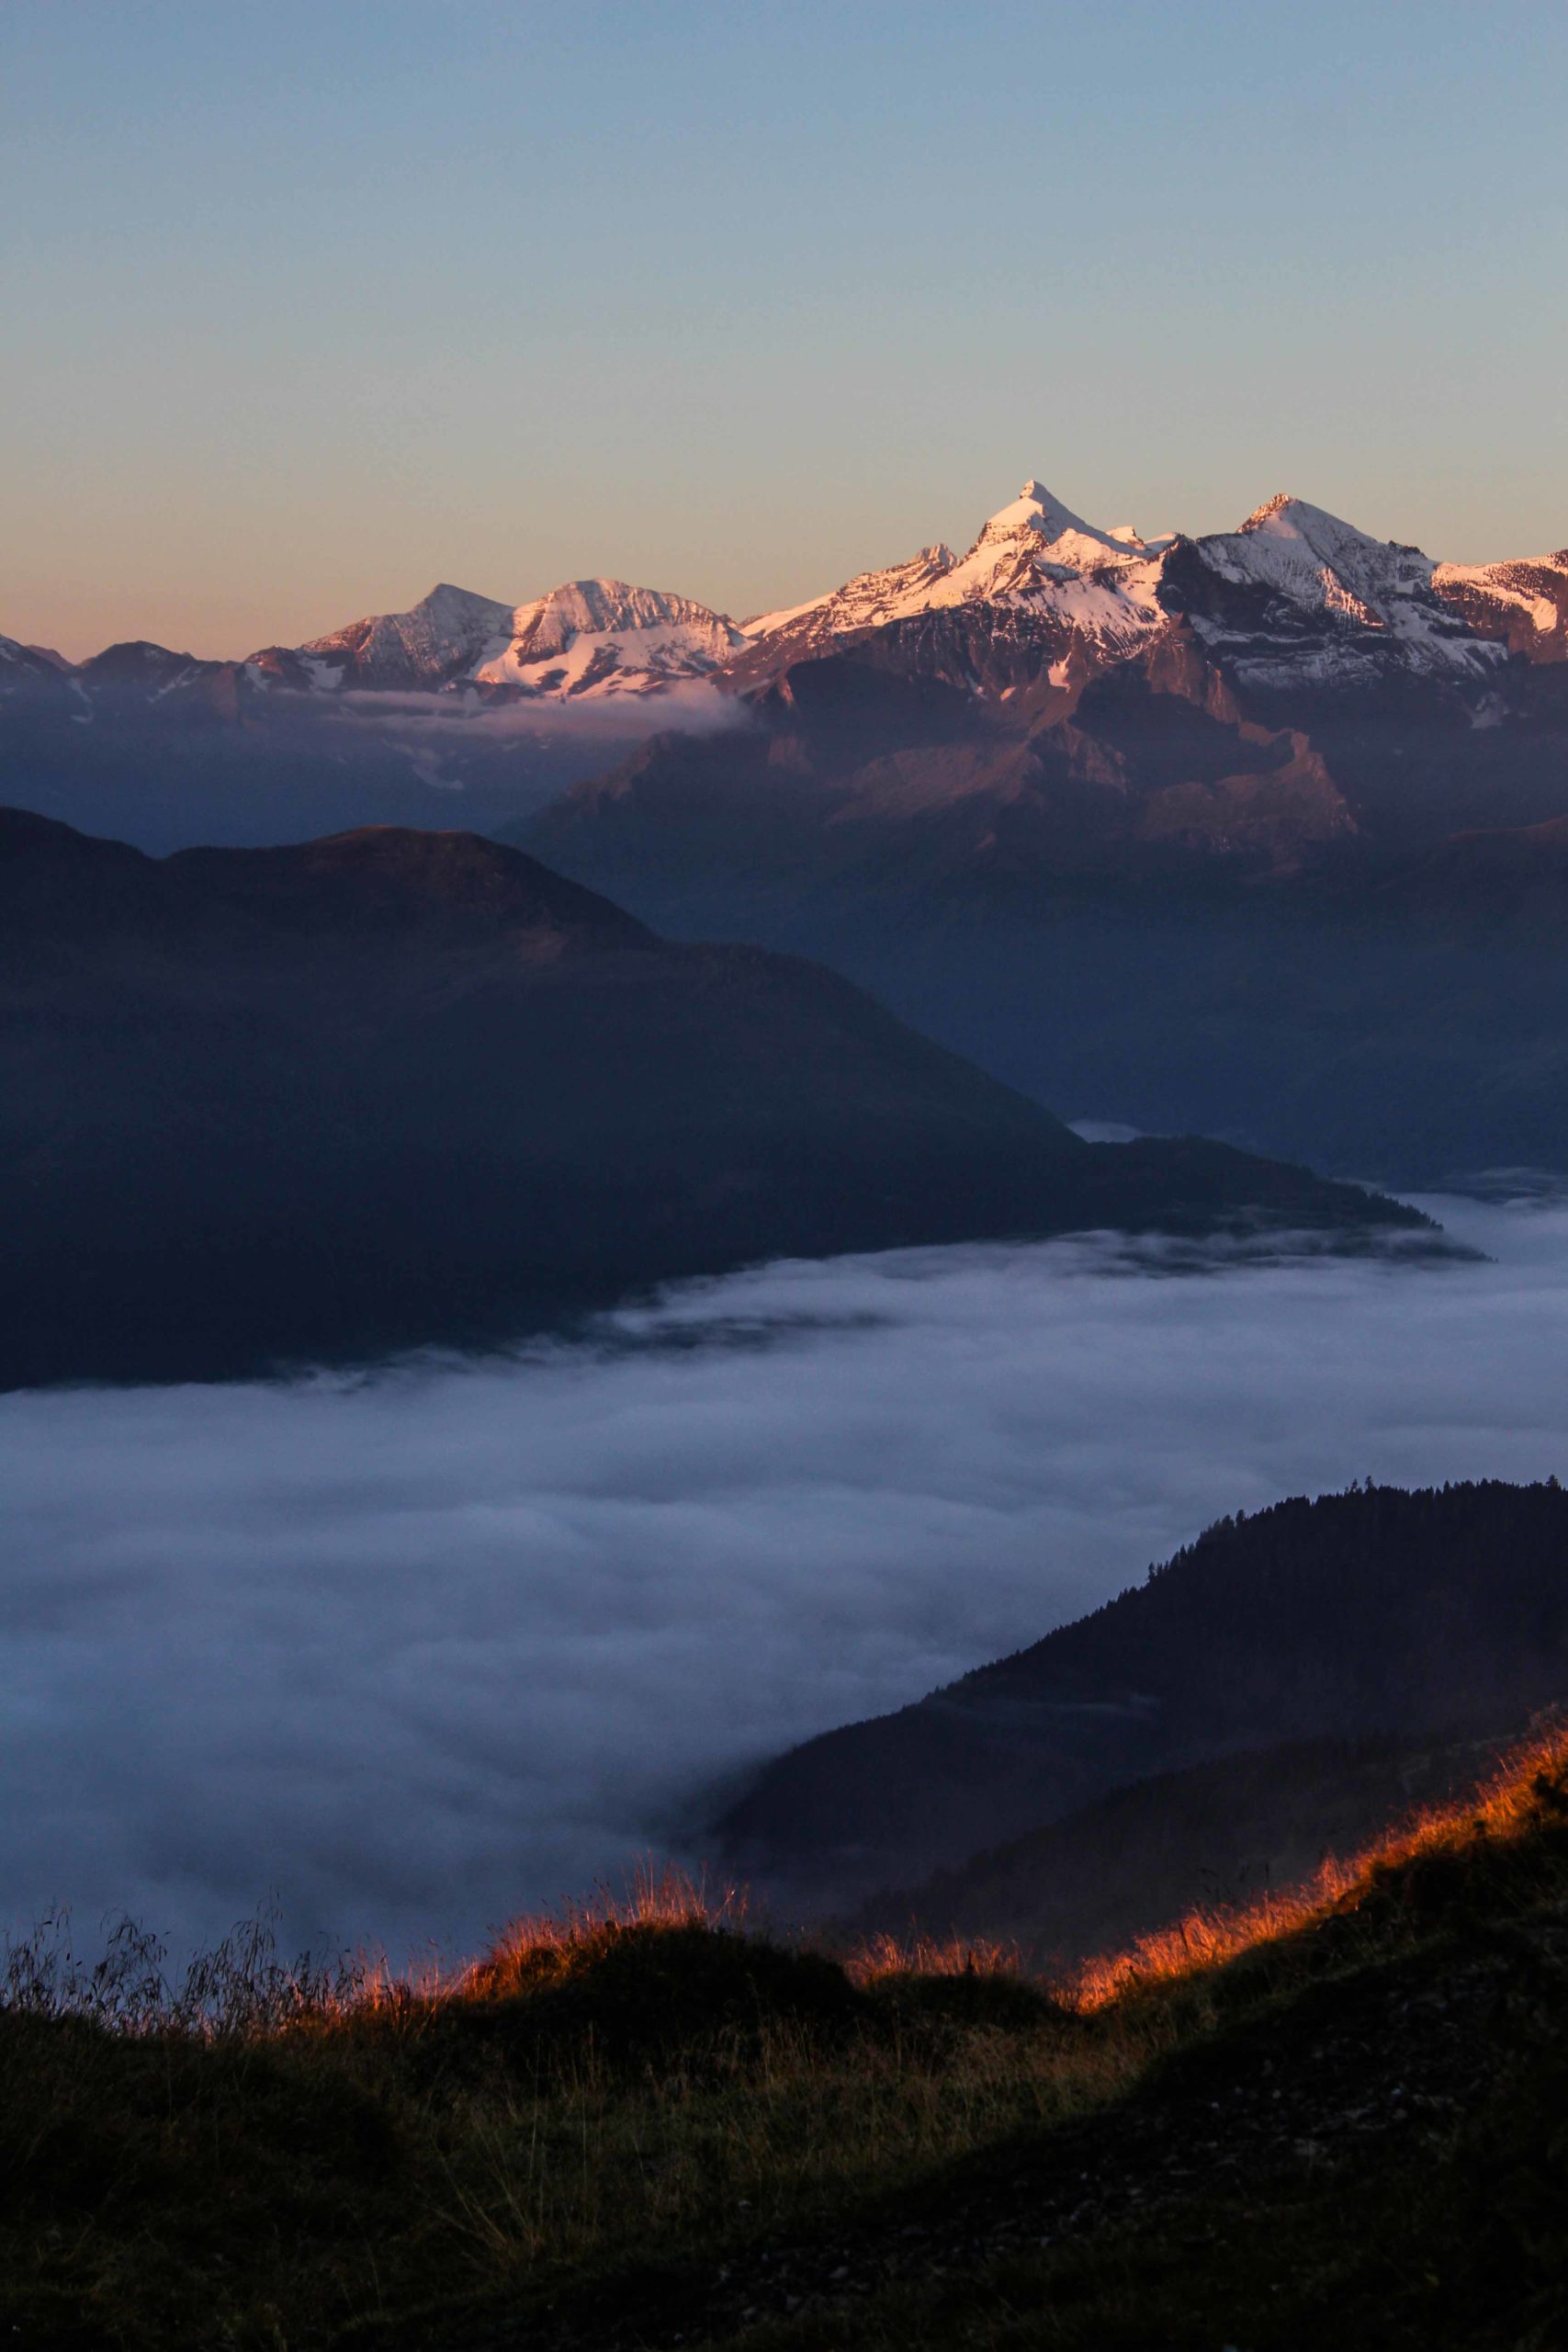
420, 1649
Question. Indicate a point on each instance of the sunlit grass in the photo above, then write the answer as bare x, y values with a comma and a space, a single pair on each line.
1528, 1787
258, 2150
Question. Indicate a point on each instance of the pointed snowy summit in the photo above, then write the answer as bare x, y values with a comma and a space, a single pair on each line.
1036, 509
1069, 584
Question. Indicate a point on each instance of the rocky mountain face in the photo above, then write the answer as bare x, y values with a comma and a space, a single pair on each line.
873, 774
138, 684
403, 1088
1523, 605
1079, 703
1377, 1615
438, 640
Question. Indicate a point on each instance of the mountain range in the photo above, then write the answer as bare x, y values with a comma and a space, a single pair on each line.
1065, 704
1257, 834
1292, 594
1061, 701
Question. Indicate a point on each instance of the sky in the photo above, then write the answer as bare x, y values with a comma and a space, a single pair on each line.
308, 308
415, 1652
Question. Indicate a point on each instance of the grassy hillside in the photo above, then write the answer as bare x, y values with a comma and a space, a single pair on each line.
654, 2126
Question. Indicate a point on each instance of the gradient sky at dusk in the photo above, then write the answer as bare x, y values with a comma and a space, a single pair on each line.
306, 308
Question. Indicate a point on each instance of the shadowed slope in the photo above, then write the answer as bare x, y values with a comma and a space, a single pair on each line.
396, 1088
1374, 1612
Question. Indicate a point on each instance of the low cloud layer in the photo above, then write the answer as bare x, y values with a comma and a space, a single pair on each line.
422, 1649
687, 706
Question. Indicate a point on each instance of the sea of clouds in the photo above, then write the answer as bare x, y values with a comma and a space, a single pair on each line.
414, 1650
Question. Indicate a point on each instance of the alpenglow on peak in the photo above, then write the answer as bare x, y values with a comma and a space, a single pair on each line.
1038, 510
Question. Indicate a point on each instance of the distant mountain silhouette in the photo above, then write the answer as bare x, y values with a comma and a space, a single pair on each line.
394, 1088
1372, 1613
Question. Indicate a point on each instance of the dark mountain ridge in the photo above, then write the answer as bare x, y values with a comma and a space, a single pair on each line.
400, 1088
1376, 1612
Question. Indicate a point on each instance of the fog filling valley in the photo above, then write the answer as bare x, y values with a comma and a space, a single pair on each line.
413, 1651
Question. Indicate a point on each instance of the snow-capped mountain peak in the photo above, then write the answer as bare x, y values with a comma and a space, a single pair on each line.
1329, 537
433, 642
606, 637
1302, 573
1061, 581
1522, 603
1036, 509
1078, 585
1294, 596
1316, 558
586, 637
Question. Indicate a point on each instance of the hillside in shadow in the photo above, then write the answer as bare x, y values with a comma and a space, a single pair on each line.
397, 1089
